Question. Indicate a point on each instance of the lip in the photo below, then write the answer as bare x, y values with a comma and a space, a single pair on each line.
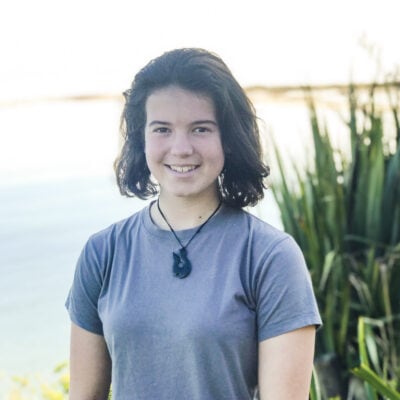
182, 169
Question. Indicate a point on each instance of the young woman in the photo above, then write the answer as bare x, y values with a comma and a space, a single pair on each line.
192, 298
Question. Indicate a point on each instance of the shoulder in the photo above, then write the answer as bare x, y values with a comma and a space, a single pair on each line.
258, 232
269, 250
118, 229
99, 251
101, 245
264, 246
274, 249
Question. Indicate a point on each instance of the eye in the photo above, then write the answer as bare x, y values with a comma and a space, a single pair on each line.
202, 129
161, 129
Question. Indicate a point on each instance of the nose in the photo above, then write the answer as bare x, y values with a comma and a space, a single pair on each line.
181, 145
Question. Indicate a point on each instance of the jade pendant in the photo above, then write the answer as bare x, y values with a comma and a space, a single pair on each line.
182, 266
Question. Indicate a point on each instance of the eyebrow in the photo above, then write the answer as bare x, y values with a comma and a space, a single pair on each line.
200, 122
159, 123
205, 121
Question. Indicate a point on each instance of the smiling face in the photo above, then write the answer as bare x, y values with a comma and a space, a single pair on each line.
183, 144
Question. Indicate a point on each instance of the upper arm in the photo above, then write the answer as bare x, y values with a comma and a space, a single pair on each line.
90, 365
285, 365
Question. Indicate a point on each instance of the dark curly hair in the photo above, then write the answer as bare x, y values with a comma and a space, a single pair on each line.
241, 182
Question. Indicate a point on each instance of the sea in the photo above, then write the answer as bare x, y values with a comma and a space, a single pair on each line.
43, 227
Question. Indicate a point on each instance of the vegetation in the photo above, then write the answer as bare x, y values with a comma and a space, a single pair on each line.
29, 388
38, 388
344, 211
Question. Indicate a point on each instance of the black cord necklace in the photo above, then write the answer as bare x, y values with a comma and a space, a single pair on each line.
182, 266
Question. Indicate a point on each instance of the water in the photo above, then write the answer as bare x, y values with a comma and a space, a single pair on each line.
43, 227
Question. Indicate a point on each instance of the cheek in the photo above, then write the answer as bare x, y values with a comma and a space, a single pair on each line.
219, 155
154, 155
150, 149
148, 152
221, 162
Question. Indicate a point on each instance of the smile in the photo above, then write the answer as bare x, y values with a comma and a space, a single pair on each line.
182, 168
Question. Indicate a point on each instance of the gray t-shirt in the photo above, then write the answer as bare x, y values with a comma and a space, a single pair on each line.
194, 338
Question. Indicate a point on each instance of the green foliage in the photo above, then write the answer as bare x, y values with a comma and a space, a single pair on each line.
375, 384
344, 211
37, 387
315, 390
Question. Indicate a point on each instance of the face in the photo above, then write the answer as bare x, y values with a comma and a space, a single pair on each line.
183, 143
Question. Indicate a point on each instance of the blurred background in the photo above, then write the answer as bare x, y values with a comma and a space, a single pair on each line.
63, 68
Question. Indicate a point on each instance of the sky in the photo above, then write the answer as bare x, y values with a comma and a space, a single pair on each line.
53, 47
82, 47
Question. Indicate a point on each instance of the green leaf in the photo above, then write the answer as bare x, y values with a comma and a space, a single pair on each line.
327, 268
315, 390
367, 375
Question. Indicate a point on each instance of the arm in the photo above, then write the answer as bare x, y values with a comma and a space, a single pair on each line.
90, 366
285, 365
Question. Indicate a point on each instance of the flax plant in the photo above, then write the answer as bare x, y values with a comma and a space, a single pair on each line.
344, 211
370, 370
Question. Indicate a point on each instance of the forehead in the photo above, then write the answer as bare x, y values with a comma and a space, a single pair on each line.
174, 100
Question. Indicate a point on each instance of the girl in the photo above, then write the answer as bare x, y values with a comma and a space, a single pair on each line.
192, 298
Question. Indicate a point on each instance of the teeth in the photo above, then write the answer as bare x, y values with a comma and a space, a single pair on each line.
182, 169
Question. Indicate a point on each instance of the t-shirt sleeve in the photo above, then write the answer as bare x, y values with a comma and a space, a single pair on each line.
284, 292
82, 300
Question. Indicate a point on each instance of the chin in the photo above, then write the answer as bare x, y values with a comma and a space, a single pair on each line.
190, 191
183, 195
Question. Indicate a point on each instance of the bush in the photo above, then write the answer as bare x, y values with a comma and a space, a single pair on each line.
344, 211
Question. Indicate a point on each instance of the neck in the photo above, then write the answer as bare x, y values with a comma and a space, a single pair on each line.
183, 213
